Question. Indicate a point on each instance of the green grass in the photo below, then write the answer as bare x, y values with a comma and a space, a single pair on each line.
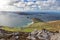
11, 29
53, 26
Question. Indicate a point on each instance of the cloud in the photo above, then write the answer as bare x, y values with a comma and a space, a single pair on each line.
38, 5
22, 5
25, 5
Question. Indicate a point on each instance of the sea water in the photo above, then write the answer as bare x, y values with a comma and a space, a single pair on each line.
13, 19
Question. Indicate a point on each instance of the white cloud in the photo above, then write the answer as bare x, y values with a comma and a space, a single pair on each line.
39, 5
20, 5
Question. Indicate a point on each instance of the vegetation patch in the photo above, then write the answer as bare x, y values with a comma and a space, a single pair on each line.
51, 26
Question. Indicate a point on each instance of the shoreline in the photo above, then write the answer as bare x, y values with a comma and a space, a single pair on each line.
29, 24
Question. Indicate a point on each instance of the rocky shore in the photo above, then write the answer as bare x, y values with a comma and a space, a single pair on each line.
35, 35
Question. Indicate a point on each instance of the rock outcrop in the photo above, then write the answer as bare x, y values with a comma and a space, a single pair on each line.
44, 35
35, 35
7, 35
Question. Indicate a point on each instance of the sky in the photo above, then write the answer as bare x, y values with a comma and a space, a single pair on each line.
29, 5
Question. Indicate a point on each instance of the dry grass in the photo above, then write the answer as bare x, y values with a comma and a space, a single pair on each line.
51, 26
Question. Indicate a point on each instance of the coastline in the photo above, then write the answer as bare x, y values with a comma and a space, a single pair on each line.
29, 24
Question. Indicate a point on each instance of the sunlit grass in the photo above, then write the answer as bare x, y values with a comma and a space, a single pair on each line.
11, 29
53, 26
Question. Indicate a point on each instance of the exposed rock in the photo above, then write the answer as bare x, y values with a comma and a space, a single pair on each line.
56, 36
44, 35
2, 39
6, 35
35, 35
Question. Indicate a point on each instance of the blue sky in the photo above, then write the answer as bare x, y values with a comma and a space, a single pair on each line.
30, 5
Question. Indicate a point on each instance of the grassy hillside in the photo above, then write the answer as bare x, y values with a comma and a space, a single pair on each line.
51, 26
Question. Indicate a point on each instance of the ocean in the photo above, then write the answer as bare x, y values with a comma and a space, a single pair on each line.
22, 19
13, 19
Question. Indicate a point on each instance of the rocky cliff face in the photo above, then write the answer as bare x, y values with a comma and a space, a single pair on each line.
6, 35
35, 35
44, 35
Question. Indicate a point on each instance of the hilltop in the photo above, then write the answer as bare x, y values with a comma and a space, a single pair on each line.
50, 25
